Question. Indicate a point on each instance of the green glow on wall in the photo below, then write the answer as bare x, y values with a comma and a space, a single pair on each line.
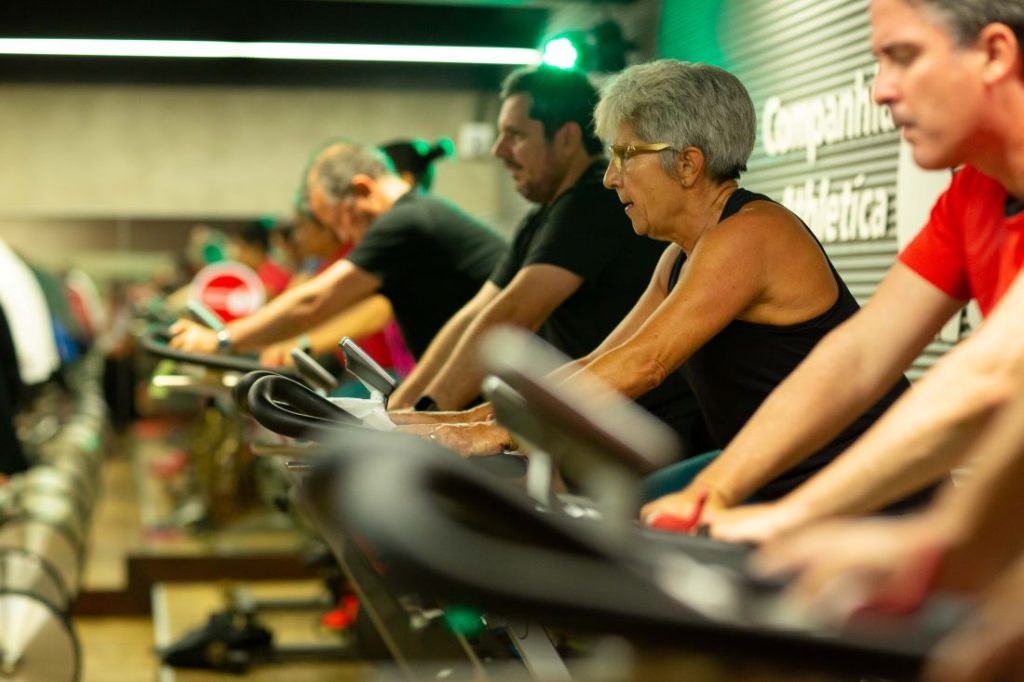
689, 31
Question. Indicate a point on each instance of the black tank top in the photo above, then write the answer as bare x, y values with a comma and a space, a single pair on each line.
734, 372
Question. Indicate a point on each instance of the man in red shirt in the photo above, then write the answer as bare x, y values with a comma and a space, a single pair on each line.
972, 245
951, 72
953, 75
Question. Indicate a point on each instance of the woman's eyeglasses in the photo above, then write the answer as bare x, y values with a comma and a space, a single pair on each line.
623, 152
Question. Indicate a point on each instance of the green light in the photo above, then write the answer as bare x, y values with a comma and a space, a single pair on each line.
464, 620
560, 53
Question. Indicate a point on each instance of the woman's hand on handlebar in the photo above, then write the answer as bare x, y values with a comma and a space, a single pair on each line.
754, 523
411, 417
481, 413
695, 503
192, 337
485, 438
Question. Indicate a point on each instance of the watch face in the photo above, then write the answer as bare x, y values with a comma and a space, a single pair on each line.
425, 404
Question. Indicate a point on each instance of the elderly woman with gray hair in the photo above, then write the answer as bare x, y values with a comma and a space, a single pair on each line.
743, 292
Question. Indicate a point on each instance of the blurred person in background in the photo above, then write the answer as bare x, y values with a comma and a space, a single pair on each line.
315, 244
414, 160
251, 246
427, 257
318, 248
284, 249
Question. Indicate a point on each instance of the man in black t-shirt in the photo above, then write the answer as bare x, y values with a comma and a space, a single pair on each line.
575, 267
430, 259
424, 254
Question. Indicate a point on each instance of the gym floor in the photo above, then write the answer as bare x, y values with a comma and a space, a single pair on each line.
119, 648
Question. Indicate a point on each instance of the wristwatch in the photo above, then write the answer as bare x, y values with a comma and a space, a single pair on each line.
425, 404
223, 340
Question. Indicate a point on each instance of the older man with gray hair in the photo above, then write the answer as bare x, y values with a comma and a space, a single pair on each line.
427, 257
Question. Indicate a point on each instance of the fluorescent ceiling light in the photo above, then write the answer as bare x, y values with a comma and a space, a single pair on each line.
212, 49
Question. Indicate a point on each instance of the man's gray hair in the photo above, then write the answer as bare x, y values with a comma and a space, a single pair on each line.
965, 18
338, 163
684, 104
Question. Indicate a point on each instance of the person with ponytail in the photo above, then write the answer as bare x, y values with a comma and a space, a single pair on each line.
414, 160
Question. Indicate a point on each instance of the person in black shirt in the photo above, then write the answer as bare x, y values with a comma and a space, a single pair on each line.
425, 255
583, 231
423, 245
575, 267
743, 292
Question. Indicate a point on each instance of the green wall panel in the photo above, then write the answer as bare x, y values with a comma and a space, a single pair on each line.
689, 30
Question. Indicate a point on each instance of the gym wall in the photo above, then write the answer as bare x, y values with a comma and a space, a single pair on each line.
90, 167
823, 148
